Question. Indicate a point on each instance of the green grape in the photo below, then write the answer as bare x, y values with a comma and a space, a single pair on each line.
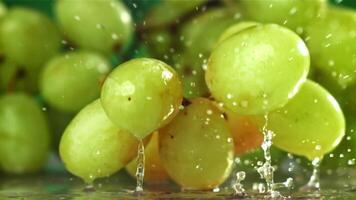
142, 95
28, 38
24, 136
331, 41
311, 124
294, 14
257, 70
159, 42
192, 75
167, 12
154, 170
71, 81
196, 148
100, 25
92, 146
236, 28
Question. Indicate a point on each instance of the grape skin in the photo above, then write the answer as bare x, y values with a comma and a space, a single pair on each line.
72, 80
201, 156
167, 12
245, 131
294, 14
331, 41
143, 89
102, 26
93, 147
29, 49
22, 120
311, 124
253, 72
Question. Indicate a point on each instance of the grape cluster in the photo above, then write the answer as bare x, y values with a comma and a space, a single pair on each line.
196, 82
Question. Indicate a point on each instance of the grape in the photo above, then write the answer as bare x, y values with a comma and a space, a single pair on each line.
28, 38
236, 28
24, 136
294, 14
257, 70
310, 125
102, 26
330, 40
92, 146
245, 132
141, 95
167, 12
71, 81
154, 171
196, 148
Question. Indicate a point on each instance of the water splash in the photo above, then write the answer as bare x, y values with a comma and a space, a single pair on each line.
140, 171
314, 181
238, 186
266, 170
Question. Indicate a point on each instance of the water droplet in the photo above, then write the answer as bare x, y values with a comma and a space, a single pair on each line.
293, 11
114, 36
318, 147
238, 186
77, 18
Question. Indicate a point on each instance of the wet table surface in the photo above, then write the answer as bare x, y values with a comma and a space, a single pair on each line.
61, 186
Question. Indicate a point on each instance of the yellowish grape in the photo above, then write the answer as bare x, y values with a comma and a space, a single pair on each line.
196, 148
245, 132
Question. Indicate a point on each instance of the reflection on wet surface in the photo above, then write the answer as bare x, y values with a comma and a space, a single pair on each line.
121, 186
